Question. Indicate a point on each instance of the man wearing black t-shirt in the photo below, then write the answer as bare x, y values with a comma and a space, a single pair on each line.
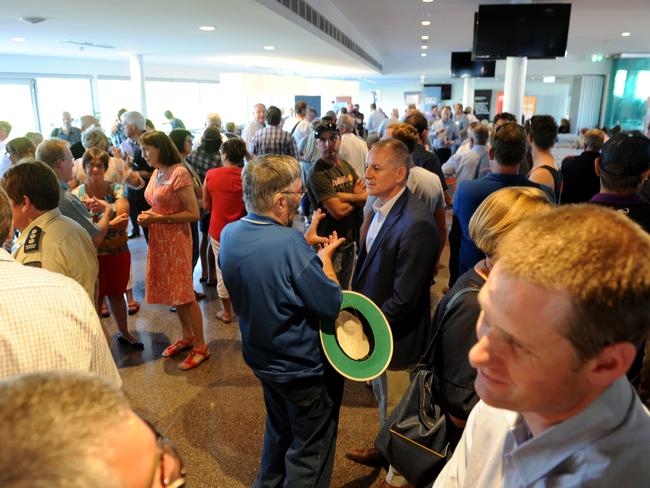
334, 187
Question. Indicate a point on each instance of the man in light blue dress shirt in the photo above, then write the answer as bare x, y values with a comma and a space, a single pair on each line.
563, 311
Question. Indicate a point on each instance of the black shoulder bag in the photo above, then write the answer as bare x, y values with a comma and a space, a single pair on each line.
414, 438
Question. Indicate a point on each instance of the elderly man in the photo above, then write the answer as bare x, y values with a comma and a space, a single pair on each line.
334, 187
46, 320
73, 429
133, 124
272, 139
281, 289
444, 135
67, 132
48, 239
253, 126
554, 343
467, 166
353, 148
396, 265
56, 154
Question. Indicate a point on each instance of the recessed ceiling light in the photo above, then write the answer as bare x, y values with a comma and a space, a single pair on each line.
427, 1
548, 79
424, 46
626, 34
424, 55
269, 48
426, 22
19, 39
207, 28
425, 38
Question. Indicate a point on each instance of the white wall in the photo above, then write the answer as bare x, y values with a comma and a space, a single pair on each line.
240, 91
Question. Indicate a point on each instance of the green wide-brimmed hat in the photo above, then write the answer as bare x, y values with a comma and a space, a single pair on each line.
359, 343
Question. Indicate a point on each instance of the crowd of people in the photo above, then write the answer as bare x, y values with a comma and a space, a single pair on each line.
540, 345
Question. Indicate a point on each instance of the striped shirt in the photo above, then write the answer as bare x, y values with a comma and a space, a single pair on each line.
47, 323
273, 140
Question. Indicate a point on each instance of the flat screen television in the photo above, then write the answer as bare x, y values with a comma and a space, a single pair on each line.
462, 65
536, 31
445, 90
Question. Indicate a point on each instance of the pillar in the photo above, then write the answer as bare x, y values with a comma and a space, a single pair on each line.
137, 82
514, 86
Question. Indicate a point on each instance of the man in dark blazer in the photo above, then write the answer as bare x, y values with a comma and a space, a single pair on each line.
396, 261
580, 181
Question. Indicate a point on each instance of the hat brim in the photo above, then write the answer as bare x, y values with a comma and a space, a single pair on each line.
382, 352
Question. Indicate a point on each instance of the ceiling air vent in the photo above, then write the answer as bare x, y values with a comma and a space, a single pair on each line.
315, 18
33, 20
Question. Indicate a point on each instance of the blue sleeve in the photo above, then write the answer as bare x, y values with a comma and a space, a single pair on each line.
322, 297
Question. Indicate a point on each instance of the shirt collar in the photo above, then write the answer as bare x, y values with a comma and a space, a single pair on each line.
615, 198
39, 221
385, 207
63, 185
536, 456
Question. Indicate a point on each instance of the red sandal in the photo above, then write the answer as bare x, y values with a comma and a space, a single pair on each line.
195, 357
178, 346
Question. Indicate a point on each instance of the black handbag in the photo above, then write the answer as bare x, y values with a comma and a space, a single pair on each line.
416, 438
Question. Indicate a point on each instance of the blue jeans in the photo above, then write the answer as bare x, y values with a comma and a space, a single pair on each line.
343, 263
300, 438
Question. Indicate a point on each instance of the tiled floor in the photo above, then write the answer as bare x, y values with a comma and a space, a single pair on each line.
215, 413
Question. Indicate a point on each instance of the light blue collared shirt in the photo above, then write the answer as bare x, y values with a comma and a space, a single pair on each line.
605, 445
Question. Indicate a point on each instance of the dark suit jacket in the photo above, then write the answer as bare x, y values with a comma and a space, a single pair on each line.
580, 181
397, 272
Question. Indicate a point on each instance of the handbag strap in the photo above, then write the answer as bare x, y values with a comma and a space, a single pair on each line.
452, 301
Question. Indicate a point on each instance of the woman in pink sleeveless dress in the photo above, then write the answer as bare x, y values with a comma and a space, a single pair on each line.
169, 259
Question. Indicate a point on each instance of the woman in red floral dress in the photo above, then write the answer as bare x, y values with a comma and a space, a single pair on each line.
169, 259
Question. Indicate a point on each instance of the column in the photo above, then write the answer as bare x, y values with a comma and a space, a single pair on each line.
514, 86
137, 82
468, 91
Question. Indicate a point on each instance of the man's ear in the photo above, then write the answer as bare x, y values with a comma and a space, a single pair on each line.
491, 153
611, 363
597, 166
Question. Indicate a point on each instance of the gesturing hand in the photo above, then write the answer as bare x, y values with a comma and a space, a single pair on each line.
311, 236
326, 250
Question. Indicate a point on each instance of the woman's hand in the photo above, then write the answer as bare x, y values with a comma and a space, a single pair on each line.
148, 217
119, 222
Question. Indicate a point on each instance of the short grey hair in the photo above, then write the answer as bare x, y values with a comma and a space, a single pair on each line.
346, 121
135, 118
5, 216
95, 137
51, 150
265, 177
60, 425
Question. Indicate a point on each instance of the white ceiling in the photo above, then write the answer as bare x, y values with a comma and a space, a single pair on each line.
166, 32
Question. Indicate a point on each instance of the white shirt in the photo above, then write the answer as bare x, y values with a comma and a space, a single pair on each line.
48, 323
381, 210
249, 132
354, 150
5, 163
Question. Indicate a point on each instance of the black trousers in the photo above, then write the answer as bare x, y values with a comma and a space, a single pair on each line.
300, 438
137, 204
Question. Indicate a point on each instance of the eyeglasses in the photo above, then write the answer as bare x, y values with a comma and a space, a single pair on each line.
172, 468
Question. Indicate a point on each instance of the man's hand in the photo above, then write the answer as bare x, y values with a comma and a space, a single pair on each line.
359, 187
116, 152
311, 236
326, 250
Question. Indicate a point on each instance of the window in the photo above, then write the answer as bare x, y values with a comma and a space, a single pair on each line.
17, 106
56, 95
113, 95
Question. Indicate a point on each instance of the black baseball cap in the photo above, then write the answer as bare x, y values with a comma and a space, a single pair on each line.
626, 154
325, 127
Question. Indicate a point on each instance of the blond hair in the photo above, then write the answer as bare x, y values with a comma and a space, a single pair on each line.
501, 211
596, 255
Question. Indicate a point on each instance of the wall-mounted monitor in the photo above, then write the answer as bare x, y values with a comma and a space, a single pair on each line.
462, 65
536, 31
445, 90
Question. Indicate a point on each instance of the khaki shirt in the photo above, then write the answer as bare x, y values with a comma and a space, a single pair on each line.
57, 243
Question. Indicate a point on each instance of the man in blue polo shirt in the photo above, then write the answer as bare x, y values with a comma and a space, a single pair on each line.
508, 147
281, 289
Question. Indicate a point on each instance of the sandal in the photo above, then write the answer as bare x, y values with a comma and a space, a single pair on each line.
133, 308
178, 346
137, 344
194, 358
220, 316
